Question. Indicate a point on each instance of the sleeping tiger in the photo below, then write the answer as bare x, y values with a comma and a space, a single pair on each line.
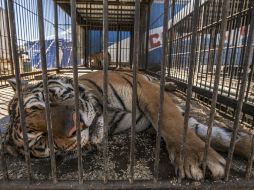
61, 92
95, 60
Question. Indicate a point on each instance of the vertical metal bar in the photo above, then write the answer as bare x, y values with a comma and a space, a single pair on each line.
240, 65
120, 55
56, 36
162, 86
105, 89
19, 87
3, 161
82, 47
136, 54
101, 40
190, 77
141, 36
213, 51
86, 45
8, 35
147, 34
246, 62
250, 159
76, 90
250, 79
117, 48
131, 46
45, 89
171, 36
223, 29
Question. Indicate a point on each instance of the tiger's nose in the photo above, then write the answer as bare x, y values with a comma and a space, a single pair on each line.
73, 129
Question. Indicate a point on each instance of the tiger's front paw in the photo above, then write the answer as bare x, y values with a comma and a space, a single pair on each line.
192, 164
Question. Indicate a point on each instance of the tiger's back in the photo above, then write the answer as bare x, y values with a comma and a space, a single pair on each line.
119, 99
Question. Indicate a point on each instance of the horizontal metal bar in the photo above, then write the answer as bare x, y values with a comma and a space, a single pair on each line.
145, 184
25, 74
113, 26
110, 9
130, 3
110, 14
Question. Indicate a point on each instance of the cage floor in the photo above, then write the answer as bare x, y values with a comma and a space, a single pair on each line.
118, 154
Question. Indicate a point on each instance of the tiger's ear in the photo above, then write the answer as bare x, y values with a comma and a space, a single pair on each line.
13, 84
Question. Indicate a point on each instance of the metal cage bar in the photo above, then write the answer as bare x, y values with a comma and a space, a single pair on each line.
136, 54
223, 29
162, 88
2, 160
190, 79
105, 89
19, 86
170, 58
76, 89
246, 62
45, 89
56, 36
8, 35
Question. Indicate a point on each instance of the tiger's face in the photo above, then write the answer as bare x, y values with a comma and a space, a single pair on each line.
62, 115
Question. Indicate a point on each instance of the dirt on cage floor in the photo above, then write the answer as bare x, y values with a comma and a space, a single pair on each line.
119, 145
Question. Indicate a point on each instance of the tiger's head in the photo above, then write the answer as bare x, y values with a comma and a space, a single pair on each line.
62, 109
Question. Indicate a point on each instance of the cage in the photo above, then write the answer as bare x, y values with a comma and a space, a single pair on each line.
205, 47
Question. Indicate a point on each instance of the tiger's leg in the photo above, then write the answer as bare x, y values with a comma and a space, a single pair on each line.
221, 137
172, 130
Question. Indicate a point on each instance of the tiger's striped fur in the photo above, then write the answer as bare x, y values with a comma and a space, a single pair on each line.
119, 110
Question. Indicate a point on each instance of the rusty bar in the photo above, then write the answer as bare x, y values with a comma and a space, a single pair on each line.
82, 47
171, 36
147, 34
136, 54
86, 46
190, 78
19, 88
120, 45
246, 63
45, 89
76, 90
223, 29
117, 48
250, 159
105, 89
162, 86
3, 161
131, 47
56, 36
8, 35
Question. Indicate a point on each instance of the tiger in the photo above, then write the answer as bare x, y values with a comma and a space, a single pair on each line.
119, 108
96, 60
